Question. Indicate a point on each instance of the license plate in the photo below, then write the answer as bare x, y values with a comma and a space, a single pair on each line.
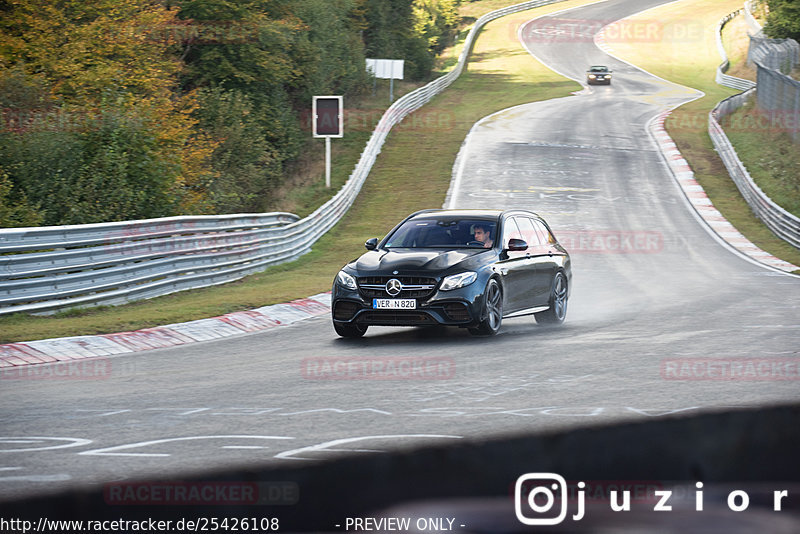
394, 304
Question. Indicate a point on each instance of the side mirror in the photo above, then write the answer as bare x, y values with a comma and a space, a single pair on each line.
517, 245
371, 244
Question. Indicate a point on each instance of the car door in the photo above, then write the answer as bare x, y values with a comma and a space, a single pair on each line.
547, 261
537, 259
516, 269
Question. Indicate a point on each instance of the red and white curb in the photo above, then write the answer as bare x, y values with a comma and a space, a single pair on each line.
231, 324
697, 197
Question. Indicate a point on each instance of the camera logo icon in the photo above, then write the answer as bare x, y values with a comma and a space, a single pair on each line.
536, 495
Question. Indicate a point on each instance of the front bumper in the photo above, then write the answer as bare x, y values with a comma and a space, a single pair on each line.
460, 307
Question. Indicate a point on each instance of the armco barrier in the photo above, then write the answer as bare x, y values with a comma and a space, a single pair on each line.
722, 78
782, 223
43, 270
750, 20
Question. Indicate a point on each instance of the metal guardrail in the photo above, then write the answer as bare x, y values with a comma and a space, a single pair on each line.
47, 269
722, 78
750, 20
782, 223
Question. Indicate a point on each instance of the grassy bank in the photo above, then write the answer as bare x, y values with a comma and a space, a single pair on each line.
769, 154
772, 158
412, 172
691, 60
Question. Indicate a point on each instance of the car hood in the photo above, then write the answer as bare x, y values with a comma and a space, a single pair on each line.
414, 260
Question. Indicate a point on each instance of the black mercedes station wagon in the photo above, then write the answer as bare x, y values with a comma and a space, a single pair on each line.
465, 268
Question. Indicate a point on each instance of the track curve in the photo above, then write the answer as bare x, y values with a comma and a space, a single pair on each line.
652, 290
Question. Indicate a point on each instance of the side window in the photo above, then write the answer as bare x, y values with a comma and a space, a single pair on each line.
510, 231
528, 231
547, 237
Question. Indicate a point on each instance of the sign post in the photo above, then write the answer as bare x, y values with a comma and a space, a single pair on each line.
391, 69
328, 122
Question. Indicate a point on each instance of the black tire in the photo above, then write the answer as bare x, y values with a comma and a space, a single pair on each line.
350, 330
559, 294
492, 311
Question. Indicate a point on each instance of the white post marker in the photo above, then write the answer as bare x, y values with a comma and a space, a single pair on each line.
328, 122
327, 161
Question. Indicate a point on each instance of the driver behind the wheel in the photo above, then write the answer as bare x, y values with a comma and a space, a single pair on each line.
483, 234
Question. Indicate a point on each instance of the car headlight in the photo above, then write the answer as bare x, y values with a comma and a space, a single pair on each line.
592, 76
346, 280
454, 281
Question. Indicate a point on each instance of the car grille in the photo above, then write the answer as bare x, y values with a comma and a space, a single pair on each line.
344, 310
414, 287
457, 311
396, 318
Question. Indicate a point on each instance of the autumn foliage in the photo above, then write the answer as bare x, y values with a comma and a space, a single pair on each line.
128, 109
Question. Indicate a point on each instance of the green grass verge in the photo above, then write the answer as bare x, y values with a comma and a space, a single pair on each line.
692, 61
413, 172
769, 154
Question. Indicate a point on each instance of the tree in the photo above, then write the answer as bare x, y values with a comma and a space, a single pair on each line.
15, 211
97, 130
783, 21
123, 109
246, 164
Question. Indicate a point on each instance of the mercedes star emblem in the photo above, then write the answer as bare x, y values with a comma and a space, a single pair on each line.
394, 287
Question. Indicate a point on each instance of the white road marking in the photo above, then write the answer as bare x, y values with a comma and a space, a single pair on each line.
660, 412
337, 410
109, 451
292, 454
190, 412
74, 442
37, 478
105, 413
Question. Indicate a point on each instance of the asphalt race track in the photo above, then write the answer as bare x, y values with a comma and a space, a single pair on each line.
654, 295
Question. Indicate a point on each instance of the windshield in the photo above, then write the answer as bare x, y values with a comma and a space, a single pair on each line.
443, 232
